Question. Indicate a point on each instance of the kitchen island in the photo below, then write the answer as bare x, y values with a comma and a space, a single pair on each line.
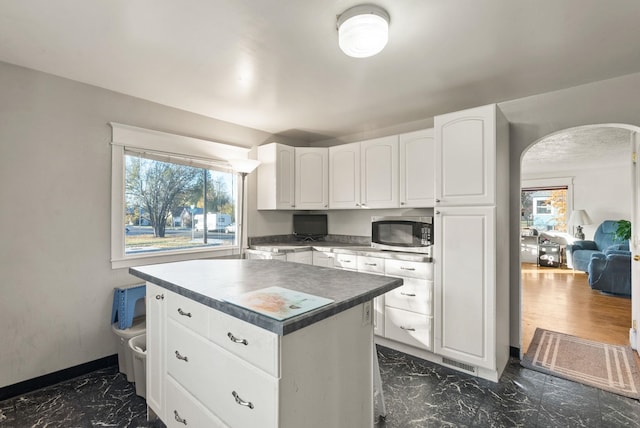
214, 363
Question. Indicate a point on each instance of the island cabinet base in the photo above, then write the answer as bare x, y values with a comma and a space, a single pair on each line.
211, 369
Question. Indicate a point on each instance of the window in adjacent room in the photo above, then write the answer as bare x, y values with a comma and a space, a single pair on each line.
544, 208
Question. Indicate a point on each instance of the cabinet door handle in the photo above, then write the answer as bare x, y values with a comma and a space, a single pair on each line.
407, 294
241, 402
402, 203
159, 296
236, 340
183, 313
437, 200
406, 268
178, 418
438, 212
371, 264
407, 328
180, 357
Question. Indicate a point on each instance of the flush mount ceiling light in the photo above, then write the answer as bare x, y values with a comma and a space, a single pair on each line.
363, 30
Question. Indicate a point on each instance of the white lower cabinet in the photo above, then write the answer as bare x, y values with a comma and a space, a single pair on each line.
322, 258
185, 410
243, 396
346, 262
208, 369
409, 308
374, 265
156, 310
304, 257
408, 327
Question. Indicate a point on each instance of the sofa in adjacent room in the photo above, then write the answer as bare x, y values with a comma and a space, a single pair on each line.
605, 259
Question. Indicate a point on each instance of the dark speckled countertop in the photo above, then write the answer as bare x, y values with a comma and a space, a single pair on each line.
210, 282
340, 248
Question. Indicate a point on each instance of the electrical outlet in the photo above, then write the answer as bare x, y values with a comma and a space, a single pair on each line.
366, 313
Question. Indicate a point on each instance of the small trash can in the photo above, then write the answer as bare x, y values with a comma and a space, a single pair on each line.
138, 347
125, 356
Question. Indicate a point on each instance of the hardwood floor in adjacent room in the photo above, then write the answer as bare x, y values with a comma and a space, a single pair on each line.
561, 300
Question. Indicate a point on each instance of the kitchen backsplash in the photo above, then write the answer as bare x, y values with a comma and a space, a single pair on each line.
341, 239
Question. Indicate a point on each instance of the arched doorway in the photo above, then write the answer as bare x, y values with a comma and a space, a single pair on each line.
575, 148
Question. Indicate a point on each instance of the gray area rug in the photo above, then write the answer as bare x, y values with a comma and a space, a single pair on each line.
612, 368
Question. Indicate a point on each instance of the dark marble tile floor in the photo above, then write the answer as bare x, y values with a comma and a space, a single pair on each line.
417, 394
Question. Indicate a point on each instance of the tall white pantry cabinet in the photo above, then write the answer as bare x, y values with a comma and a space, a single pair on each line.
471, 250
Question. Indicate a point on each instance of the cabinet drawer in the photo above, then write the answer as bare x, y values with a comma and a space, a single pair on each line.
409, 327
185, 410
304, 257
345, 261
216, 377
321, 258
370, 265
189, 313
406, 269
415, 295
253, 344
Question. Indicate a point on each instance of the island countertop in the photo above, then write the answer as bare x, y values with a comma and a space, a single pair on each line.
211, 282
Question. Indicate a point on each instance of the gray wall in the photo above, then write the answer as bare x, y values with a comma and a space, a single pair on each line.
55, 174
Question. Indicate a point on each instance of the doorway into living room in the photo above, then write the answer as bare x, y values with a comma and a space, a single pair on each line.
562, 173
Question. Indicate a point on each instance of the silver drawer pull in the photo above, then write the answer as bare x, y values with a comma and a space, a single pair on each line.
183, 313
178, 418
180, 357
408, 294
407, 328
404, 268
241, 402
371, 264
236, 340
159, 296
345, 261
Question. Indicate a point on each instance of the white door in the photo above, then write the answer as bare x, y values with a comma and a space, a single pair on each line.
465, 285
344, 176
312, 178
465, 161
634, 244
379, 171
417, 173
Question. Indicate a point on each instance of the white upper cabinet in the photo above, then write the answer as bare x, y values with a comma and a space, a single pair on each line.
276, 177
312, 178
344, 176
417, 177
466, 156
379, 173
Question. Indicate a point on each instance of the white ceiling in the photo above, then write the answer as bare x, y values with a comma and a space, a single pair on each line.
578, 149
275, 65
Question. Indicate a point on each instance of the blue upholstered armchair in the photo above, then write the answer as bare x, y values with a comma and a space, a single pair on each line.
606, 260
611, 272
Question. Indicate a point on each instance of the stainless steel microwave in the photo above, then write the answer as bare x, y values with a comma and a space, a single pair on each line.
402, 233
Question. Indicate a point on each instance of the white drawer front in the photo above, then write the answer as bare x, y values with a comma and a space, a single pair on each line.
415, 295
189, 313
345, 261
403, 268
304, 257
249, 342
213, 375
370, 265
185, 410
409, 327
320, 258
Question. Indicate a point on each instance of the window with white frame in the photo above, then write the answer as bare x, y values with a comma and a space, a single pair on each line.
173, 197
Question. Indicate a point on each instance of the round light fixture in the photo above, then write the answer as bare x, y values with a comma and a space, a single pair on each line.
363, 31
